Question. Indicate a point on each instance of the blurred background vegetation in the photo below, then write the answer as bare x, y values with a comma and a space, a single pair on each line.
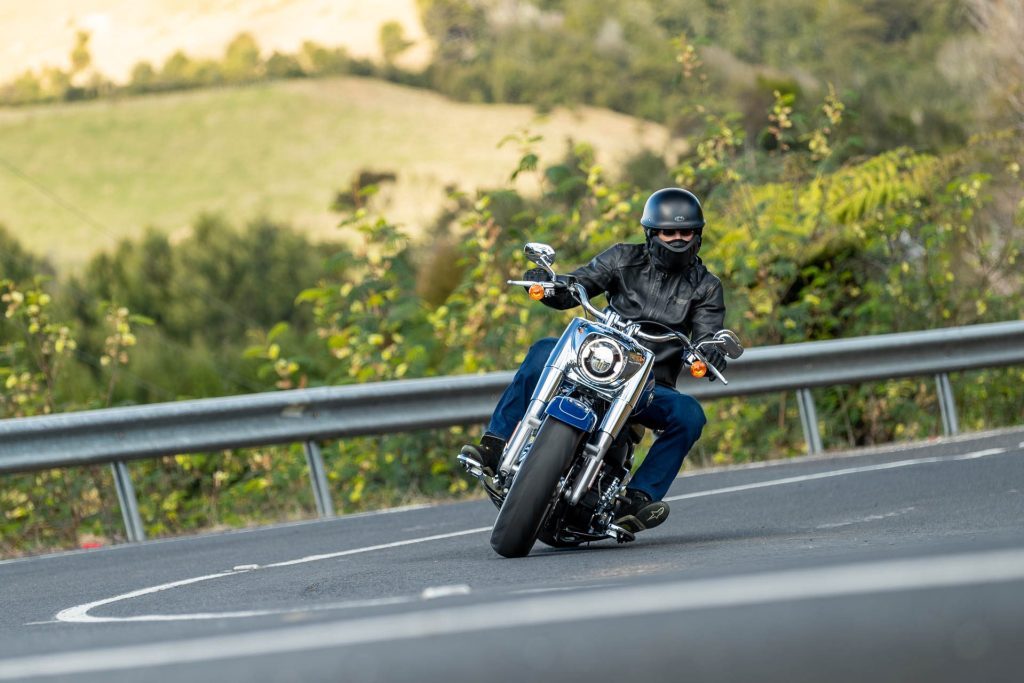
860, 164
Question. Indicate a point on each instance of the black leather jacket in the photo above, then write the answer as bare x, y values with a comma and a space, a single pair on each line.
689, 301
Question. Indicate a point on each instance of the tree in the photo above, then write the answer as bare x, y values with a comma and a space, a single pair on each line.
1001, 58
242, 61
392, 41
81, 58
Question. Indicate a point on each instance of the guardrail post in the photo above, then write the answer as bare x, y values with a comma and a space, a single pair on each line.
318, 477
809, 420
947, 405
129, 505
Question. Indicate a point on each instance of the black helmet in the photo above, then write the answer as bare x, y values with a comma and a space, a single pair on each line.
671, 208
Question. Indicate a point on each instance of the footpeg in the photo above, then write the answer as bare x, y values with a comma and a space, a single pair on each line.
621, 535
475, 469
471, 466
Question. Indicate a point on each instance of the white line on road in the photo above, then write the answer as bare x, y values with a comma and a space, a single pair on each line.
80, 613
679, 596
840, 473
869, 518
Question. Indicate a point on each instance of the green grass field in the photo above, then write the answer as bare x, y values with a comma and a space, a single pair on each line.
76, 178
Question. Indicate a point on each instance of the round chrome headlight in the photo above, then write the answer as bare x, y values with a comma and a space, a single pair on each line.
601, 360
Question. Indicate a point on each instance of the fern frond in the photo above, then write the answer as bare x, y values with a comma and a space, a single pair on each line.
898, 175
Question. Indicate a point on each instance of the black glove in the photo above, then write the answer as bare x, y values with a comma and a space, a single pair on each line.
537, 275
715, 357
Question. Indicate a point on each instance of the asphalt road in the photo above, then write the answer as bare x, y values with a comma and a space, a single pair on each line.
902, 564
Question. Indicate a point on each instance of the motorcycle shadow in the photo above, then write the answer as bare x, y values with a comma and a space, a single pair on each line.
654, 539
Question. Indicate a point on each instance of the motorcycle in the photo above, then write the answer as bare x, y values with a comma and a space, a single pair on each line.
566, 465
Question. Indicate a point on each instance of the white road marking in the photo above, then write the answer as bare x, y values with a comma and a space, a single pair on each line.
839, 473
862, 520
248, 614
548, 589
679, 596
434, 592
80, 613
382, 546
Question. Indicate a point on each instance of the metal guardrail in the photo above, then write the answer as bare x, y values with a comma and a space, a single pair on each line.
117, 435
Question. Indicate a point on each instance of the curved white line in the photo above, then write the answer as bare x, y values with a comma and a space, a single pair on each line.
80, 613
949, 571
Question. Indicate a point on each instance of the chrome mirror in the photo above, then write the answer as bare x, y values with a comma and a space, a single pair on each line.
729, 343
541, 254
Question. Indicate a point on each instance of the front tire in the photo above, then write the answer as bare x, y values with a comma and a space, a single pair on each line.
530, 497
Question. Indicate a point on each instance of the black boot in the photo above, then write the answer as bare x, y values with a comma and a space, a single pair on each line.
487, 454
638, 512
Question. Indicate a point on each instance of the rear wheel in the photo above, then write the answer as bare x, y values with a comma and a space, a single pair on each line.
533, 489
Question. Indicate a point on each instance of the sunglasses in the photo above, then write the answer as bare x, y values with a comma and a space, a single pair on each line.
681, 232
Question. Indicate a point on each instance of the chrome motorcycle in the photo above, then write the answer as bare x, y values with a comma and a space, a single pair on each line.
566, 465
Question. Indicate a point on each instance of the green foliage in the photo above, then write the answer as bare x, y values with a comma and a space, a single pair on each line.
57, 508
81, 58
183, 316
621, 56
221, 490
392, 41
17, 263
242, 62
36, 349
37, 353
214, 285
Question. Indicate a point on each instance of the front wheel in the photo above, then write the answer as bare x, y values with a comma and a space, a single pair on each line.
533, 489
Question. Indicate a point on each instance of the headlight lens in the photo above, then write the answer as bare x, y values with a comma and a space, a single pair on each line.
601, 360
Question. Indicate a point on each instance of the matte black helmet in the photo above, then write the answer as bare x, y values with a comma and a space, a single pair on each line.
671, 208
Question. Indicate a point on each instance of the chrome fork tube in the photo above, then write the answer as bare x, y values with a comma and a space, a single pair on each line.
547, 385
612, 424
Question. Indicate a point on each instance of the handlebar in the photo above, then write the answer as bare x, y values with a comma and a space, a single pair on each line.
613, 320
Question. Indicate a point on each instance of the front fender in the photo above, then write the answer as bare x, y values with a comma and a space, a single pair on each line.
572, 412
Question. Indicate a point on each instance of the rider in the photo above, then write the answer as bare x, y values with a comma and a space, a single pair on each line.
661, 280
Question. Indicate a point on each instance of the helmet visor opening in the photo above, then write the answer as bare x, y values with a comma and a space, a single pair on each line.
685, 233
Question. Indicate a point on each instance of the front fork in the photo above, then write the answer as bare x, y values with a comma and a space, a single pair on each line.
612, 424
547, 385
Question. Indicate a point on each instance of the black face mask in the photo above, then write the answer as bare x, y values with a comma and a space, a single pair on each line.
673, 257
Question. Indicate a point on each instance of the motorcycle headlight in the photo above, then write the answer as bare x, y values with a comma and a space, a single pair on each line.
601, 360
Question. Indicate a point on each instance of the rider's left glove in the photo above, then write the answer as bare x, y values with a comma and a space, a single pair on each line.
715, 357
537, 275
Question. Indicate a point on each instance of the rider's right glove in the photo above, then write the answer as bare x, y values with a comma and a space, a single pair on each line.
537, 275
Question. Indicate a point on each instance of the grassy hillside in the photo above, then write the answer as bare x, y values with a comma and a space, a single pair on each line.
125, 32
76, 178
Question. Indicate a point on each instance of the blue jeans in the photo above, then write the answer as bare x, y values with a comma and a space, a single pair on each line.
679, 417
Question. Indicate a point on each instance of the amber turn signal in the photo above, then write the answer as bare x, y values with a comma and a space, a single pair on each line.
536, 292
698, 368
